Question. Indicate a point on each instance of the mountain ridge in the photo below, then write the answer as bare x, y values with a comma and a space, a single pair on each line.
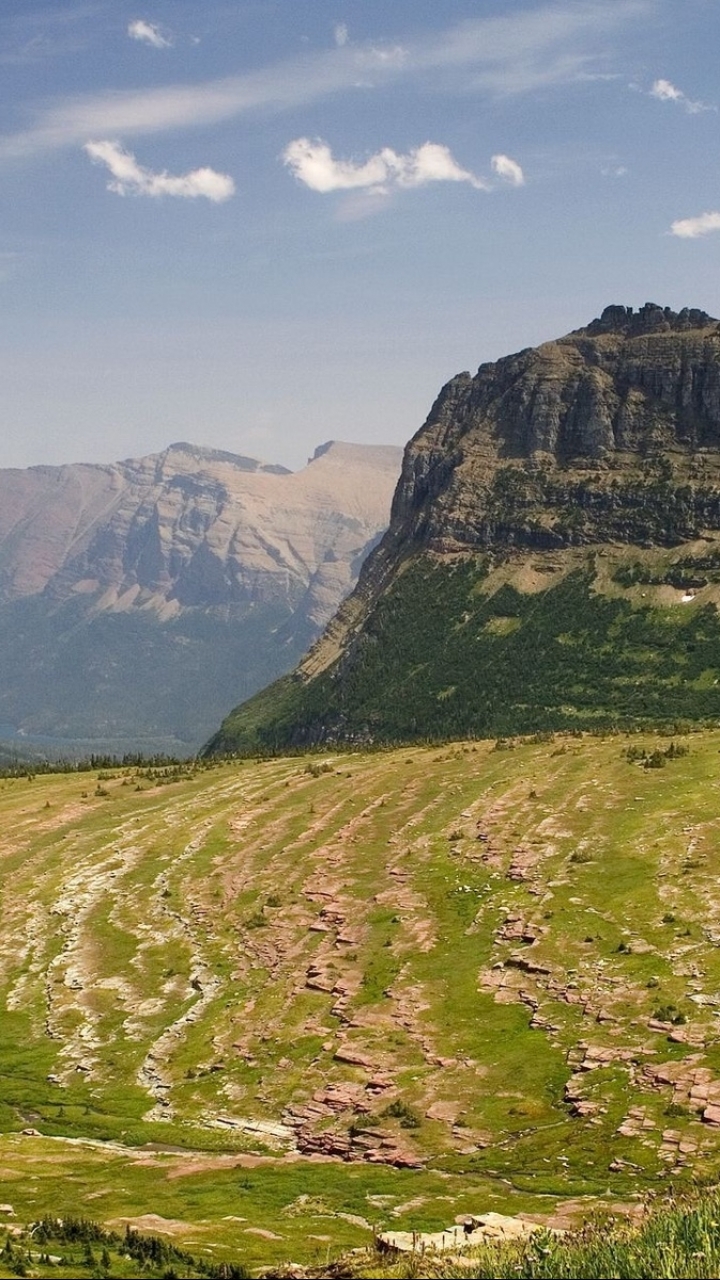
135, 595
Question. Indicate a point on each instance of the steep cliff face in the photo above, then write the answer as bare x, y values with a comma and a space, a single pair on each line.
612, 432
581, 473
134, 597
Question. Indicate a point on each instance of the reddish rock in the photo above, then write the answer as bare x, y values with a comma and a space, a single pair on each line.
355, 1057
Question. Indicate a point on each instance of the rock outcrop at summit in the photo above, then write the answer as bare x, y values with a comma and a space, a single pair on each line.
544, 511
139, 599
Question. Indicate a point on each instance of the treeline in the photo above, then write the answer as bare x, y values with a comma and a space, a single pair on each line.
155, 767
99, 1253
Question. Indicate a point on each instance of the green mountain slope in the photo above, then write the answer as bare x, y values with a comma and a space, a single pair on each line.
446, 652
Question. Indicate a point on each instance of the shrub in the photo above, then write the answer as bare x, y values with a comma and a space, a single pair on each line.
399, 1110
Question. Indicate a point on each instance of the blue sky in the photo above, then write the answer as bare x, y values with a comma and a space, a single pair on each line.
261, 225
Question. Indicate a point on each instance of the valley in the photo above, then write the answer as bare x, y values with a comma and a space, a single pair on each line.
271, 1006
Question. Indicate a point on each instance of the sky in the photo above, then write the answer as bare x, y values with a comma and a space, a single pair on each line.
258, 225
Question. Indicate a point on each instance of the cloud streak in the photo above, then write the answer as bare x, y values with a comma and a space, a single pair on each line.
693, 228
131, 179
521, 52
148, 33
665, 91
312, 163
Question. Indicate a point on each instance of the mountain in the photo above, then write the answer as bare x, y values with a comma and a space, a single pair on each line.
553, 555
138, 600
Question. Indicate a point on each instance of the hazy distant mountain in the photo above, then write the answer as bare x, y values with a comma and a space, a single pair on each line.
139, 600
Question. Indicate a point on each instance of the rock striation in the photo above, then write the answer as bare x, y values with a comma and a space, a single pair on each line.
611, 432
138, 599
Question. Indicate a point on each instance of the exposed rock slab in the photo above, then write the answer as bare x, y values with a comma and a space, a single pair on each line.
473, 1230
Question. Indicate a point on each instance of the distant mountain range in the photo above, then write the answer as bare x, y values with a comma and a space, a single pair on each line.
140, 600
553, 557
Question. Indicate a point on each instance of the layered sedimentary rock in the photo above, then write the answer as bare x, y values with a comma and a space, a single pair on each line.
138, 600
576, 441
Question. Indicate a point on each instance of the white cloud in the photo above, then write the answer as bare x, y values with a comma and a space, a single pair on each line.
665, 91
341, 34
431, 162
691, 228
313, 163
520, 52
148, 33
130, 178
508, 169
357, 205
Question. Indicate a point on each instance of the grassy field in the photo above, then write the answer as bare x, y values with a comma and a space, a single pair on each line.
270, 1007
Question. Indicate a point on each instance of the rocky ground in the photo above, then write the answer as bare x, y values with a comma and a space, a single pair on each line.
496, 964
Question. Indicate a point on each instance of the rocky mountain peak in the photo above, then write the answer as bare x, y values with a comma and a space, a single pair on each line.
183, 455
649, 318
341, 454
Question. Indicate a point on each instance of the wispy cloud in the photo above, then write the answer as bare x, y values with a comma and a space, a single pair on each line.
530, 49
507, 169
383, 57
148, 33
524, 51
341, 34
692, 228
131, 178
665, 91
31, 35
314, 164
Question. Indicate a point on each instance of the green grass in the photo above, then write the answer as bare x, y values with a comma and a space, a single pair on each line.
397, 878
676, 1240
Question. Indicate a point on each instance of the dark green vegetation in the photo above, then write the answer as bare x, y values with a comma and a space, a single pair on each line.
450, 649
266, 1009
76, 1247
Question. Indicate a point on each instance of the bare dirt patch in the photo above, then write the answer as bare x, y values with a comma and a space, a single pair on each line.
156, 1224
